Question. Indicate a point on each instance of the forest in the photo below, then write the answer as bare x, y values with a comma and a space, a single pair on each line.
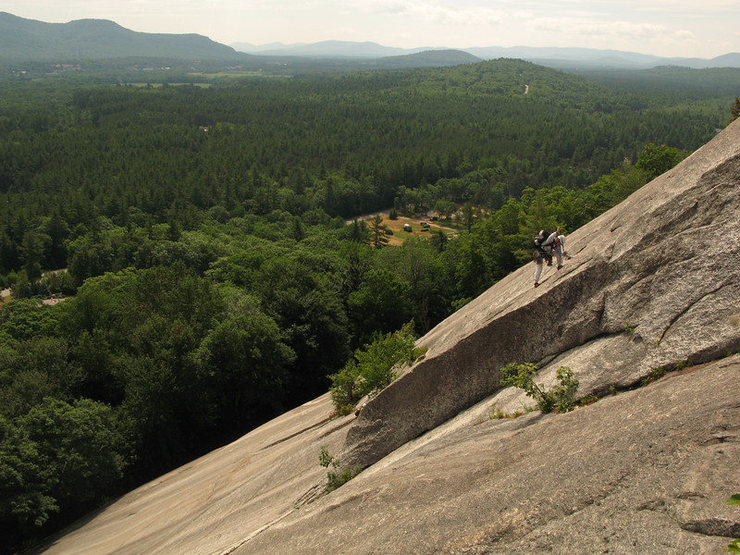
199, 236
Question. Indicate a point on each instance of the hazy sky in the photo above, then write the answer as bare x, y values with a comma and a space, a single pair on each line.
701, 28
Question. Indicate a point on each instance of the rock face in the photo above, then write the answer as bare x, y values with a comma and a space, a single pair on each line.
645, 471
655, 282
222, 499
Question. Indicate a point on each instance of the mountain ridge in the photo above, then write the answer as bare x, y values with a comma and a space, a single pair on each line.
31, 40
427, 58
552, 56
330, 48
92, 39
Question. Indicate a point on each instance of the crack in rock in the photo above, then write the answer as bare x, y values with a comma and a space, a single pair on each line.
689, 307
713, 527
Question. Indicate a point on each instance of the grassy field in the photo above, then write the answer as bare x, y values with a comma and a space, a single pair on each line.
159, 85
235, 75
399, 235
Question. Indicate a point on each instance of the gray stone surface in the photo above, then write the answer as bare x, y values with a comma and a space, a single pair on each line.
653, 282
221, 499
645, 471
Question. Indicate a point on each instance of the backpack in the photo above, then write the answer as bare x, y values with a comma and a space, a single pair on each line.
541, 238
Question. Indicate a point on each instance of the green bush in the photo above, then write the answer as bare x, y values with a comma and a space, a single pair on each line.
657, 159
560, 398
734, 546
334, 479
373, 368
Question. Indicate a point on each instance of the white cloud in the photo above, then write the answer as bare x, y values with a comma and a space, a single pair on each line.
598, 28
449, 15
669, 7
683, 34
682, 6
431, 11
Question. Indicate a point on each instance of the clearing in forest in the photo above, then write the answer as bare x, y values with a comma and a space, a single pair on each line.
399, 235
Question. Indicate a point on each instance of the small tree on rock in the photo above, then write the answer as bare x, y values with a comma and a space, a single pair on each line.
560, 398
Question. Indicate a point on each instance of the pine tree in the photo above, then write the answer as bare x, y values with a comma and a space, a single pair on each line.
378, 232
358, 231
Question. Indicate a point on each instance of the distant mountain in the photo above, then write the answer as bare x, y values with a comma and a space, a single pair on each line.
727, 60
30, 40
249, 48
590, 58
530, 53
560, 58
330, 49
428, 58
94, 39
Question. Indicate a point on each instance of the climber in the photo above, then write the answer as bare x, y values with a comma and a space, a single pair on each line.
545, 246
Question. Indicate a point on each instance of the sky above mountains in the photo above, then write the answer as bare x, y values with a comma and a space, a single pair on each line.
685, 28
